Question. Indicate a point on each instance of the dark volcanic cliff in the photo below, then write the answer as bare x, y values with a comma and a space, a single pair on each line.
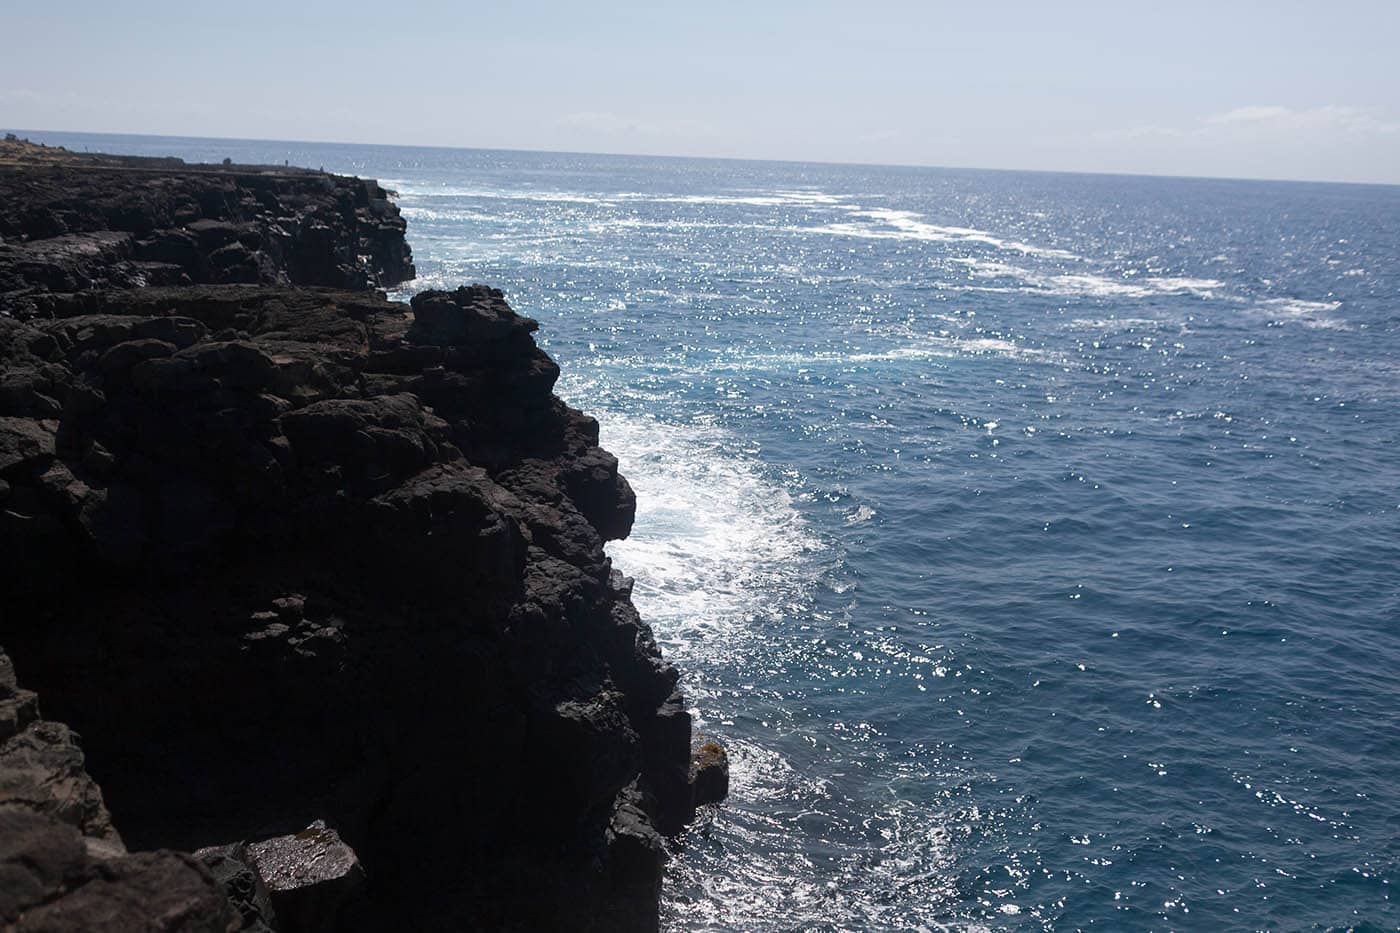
283, 553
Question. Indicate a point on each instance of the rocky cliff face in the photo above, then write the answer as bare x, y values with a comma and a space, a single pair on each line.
72, 224
284, 554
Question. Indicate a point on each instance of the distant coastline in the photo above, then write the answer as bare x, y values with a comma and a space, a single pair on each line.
106, 141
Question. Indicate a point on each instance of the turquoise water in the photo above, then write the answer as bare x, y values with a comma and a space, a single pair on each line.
1032, 541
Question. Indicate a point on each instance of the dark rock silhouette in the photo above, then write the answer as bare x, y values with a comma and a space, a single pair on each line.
709, 772
284, 553
62, 865
73, 223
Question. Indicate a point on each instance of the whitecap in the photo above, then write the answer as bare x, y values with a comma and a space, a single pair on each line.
410, 191
1114, 323
1085, 284
1297, 308
781, 198
860, 516
1100, 286
948, 346
1311, 314
891, 224
717, 542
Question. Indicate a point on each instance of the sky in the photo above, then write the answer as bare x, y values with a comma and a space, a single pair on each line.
1229, 88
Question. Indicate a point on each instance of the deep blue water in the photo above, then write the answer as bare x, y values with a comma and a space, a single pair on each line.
1031, 540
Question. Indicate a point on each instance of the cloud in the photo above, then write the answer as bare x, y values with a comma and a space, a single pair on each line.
1253, 114
1261, 121
1143, 131
1336, 142
22, 94
1331, 118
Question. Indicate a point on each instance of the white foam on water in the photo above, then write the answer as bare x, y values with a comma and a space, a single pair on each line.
720, 557
908, 222
757, 199
1297, 308
933, 346
891, 224
1114, 323
717, 544
905, 881
1099, 286
1084, 284
949, 346
1202, 288
408, 190
604, 225
860, 516
438, 215
1311, 314
778, 198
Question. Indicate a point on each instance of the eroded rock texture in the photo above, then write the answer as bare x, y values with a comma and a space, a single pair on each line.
284, 554
74, 223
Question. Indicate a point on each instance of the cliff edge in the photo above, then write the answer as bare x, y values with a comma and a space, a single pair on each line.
318, 577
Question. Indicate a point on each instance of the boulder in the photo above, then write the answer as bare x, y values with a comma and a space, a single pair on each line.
709, 772
313, 878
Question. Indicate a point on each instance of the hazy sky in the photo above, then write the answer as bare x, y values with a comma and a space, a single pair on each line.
1280, 89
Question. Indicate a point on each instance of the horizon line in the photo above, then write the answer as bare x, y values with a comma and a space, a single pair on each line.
649, 155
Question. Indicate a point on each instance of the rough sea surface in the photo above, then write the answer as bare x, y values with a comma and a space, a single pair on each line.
1032, 541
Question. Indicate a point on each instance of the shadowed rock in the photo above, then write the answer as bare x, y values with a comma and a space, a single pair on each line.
62, 865
278, 551
232, 868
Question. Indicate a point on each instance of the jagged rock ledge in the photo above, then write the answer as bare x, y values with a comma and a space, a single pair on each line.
318, 577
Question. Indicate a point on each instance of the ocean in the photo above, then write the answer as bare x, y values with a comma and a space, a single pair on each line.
1031, 541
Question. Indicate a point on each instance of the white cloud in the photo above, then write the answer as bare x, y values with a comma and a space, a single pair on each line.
21, 94
1263, 140
1144, 131
1253, 114
1331, 118
1261, 121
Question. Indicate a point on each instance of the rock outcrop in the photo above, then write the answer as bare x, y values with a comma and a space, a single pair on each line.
283, 553
709, 772
73, 223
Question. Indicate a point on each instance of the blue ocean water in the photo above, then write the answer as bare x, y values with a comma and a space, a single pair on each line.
1032, 541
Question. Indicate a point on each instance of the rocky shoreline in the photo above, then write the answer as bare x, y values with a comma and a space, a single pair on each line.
318, 577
